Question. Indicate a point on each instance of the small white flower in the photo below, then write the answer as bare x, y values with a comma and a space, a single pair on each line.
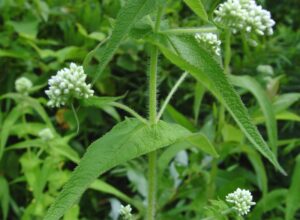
211, 41
245, 15
67, 84
23, 85
125, 212
46, 134
242, 200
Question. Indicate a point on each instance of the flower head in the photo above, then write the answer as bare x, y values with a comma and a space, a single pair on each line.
211, 41
245, 15
67, 84
125, 212
46, 134
23, 85
242, 200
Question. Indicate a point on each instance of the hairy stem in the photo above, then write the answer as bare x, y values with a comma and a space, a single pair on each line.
152, 157
170, 95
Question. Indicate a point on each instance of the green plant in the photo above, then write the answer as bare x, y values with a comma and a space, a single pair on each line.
200, 140
133, 138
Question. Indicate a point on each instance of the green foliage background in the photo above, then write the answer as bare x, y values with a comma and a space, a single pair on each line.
39, 37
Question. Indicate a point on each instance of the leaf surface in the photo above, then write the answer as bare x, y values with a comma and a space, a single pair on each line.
127, 140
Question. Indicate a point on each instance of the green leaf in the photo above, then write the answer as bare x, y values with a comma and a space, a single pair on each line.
293, 196
127, 17
170, 153
33, 103
259, 168
270, 201
99, 102
199, 93
11, 118
27, 28
102, 186
127, 140
172, 114
198, 8
250, 84
284, 101
185, 52
202, 142
4, 197
197, 140
282, 116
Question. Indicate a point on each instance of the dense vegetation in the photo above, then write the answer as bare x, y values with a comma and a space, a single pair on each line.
206, 146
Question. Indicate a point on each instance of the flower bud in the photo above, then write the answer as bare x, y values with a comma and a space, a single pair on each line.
242, 200
23, 85
67, 84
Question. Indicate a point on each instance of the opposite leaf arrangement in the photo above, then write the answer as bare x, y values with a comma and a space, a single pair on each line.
199, 55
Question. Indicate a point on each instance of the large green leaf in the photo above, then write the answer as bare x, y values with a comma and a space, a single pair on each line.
185, 52
127, 140
250, 84
127, 17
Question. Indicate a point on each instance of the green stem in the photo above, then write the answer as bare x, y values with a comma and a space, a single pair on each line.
153, 84
76, 118
152, 157
173, 90
246, 48
130, 111
179, 31
227, 57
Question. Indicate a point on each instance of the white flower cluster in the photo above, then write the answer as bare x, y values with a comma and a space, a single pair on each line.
241, 199
46, 134
67, 84
245, 15
23, 85
125, 212
211, 41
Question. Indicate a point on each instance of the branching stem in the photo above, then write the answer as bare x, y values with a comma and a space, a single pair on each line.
130, 111
170, 95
